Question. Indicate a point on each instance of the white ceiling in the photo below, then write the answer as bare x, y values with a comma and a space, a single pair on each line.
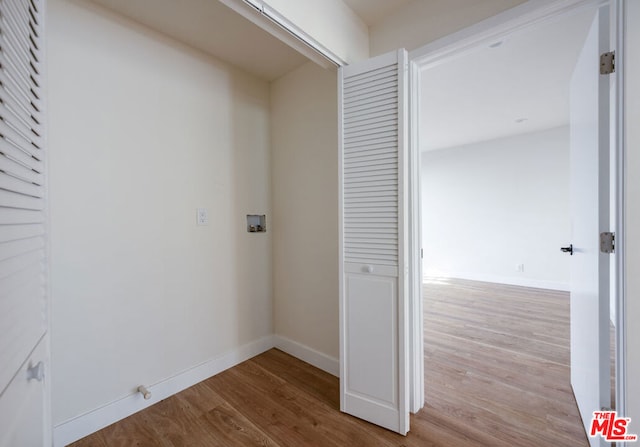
473, 98
213, 28
373, 11
480, 96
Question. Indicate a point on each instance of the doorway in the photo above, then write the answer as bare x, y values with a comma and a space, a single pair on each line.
484, 248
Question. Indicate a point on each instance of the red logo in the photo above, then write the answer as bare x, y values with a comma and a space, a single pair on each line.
612, 428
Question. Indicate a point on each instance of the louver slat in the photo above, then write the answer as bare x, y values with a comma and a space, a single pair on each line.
22, 193
371, 105
18, 170
14, 152
388, 143
370, 167
387, 84
366, 78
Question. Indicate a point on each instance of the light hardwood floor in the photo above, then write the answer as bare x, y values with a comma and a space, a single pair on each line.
497, 362
496, 368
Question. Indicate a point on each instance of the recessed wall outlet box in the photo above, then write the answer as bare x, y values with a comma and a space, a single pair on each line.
202, 216
256, 223
520, 268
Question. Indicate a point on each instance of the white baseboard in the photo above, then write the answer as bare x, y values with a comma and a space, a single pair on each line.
307, 354
510, 280
81, 426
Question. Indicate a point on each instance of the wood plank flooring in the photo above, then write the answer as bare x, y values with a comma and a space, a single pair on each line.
496, 368
497, 356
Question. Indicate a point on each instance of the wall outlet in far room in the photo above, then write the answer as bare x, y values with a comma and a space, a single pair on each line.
520, 268
202, 216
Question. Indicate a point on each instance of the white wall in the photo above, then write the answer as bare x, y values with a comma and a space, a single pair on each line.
421, 22
490, 206
330, 22
142, 132
632, 245
305, 207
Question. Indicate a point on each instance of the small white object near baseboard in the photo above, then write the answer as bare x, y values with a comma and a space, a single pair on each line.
83, 425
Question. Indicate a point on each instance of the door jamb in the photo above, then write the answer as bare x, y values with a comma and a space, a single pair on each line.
415, 305
452, 46
618, 183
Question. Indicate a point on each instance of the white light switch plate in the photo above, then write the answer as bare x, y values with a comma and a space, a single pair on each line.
202, 216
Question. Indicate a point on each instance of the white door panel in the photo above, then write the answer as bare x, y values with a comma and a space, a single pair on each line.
590, 367
22, 406
23, 225
371, 320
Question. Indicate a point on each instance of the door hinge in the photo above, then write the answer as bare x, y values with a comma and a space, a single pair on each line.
607, 242
421, 253
608, 63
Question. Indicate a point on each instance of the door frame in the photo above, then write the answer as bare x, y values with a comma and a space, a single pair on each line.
526, 15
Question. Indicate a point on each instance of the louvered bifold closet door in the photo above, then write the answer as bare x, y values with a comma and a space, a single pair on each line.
23, 320
373, 306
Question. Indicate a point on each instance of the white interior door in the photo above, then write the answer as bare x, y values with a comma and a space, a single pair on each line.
373, 249
590, 367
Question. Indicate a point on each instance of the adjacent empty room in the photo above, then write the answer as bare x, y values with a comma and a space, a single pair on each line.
495, 187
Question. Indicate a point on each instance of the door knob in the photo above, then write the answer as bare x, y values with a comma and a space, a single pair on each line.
568, 249
36, 372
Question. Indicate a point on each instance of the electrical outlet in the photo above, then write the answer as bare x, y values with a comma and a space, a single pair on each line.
520, 268
202, 216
